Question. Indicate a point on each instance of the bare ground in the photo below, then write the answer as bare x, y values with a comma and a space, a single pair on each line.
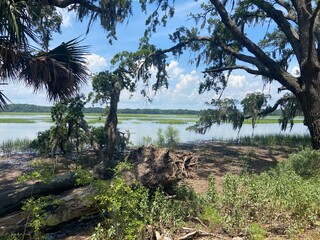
214, 158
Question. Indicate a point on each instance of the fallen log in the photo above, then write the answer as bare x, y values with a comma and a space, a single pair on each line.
12, 198
75, 203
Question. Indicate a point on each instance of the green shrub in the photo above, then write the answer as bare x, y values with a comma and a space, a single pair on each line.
280, 195
306, 163
276, 140
38, 213
255, 232
168, 138
17, 145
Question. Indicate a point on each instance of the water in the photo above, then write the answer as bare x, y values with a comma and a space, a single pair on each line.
139, 129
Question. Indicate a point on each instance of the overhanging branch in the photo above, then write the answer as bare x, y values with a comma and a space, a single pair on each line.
230, 68
270, 109
281, 76
65, 3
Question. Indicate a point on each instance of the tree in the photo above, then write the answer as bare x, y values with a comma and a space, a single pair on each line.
107, 87
289, 33
60, 71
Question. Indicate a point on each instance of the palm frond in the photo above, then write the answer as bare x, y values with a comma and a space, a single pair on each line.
3, 101
60, 71
16, 23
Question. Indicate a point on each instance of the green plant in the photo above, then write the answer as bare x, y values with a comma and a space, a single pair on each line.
161, 139
10, 146
172, 137
306, 163
38, 210
280, 195
12, 236
146, 140
211, 216
123, 207
167, 138
42, 171
255, 232
42, 142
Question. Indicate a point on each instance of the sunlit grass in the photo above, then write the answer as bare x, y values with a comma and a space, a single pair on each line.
274, 140
270, 121
25, 113
16, 120
17, 145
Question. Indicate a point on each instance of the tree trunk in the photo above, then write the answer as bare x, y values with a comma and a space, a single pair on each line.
111, 126
310, 103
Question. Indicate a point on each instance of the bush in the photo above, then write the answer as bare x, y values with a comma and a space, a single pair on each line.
306, 163
281, 195
169, 138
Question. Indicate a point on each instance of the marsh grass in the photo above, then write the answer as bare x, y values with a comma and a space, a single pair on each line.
276, 140
16, 120
270, 121
17, 145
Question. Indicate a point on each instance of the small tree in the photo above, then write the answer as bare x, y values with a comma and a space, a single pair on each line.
107, 87
70, 131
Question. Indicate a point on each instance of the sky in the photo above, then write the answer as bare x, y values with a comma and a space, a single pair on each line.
182, 92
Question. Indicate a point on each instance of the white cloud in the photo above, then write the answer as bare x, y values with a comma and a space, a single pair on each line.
236, 81
67, 17
174, 70
187, 81
96, 63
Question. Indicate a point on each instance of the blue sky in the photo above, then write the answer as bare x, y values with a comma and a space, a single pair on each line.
184, 78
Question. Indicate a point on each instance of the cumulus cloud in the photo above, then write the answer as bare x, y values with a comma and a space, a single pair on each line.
187, 81
174, 70
96, 63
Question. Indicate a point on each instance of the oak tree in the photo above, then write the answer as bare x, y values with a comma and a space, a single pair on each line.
289, 34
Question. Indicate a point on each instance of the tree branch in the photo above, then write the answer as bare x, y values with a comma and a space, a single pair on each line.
291, 12
65, 3
246, 68
282, 76
311, 33
283, 24
269, 109
248, 59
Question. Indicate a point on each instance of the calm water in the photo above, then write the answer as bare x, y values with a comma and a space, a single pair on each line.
139, 129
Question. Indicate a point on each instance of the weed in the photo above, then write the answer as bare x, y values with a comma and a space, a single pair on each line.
167, 138
255, 232
38, 213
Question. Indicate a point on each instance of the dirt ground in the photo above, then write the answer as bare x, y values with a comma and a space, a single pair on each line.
215, 158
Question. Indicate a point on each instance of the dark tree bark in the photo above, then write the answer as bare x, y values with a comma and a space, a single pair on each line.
111, 125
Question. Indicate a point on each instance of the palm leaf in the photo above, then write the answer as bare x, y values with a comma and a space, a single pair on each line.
60, 71
3, 101
16, 22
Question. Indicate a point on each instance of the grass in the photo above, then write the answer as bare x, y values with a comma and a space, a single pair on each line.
275, 140
286, 197
270, 120
16, 120
17, 145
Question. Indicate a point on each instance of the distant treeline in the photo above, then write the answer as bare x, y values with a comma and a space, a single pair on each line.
36, 108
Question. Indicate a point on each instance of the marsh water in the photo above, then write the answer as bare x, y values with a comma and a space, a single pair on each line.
140, 127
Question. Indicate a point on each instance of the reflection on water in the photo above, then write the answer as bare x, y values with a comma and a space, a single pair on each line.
138, 130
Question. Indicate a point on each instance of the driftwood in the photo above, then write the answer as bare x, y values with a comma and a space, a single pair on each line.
159, 167
192, 233
12, 198
75, 204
